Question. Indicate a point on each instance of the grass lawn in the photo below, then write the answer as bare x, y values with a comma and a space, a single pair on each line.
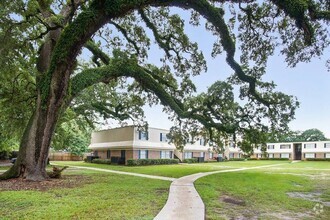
175, 170
248, 194
4, 168
262, 193
97, 196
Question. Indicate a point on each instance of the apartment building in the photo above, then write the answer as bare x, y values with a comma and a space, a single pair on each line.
121, 144
296, 150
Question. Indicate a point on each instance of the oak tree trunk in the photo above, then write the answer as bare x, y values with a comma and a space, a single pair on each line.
34, 147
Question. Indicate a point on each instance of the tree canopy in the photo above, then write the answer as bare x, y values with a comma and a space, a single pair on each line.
46, 70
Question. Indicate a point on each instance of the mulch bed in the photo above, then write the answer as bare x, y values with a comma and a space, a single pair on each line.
68, 181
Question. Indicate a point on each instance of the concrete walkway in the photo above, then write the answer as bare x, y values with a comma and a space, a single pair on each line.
122, 172
184, 202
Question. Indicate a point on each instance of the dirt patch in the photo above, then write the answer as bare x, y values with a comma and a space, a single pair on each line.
232, 200
161, 191
310, 196
68, 181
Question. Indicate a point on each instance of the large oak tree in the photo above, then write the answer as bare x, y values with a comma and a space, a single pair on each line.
42, 42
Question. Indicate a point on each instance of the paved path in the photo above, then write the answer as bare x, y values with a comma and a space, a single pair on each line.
184, 202
121, 172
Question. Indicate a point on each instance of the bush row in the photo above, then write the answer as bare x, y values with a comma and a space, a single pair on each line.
318, 159
101, 161
237, 159
273, 158
191, 160
143, 162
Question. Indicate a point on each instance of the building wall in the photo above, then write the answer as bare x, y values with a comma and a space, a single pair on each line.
113, 135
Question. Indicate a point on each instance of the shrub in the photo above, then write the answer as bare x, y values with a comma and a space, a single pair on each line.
253, 158
191, 160
101, 161
318, 159
237, 159
273, 158
144, 162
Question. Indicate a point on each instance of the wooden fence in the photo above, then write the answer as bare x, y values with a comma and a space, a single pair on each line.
59, 156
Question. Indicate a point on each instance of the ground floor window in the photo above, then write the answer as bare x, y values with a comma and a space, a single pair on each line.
239, 155
187, 155
309, 155
96, 153
270, 155
108, 154
210, 155
165, 154
202, 154
143, 154
286, 155
231, 155
327, 155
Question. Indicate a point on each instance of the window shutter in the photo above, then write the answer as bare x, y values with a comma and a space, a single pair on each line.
304, 145
147, 152
315, 145
161, 137
139, 136
139, 154
160, 154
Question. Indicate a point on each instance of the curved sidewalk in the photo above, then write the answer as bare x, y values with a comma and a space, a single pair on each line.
184, 202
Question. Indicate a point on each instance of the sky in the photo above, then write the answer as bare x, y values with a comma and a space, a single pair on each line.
309, 82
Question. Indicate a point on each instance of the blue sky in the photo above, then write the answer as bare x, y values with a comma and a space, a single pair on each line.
309, 82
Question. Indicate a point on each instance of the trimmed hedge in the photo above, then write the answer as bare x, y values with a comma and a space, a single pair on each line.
237, 159
144, 162
101, 161
318, 159
191, 160
273, 158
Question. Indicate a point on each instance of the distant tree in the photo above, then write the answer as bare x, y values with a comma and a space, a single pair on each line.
252, 139
312, 135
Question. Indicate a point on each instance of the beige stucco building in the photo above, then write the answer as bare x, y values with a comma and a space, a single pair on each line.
130, 143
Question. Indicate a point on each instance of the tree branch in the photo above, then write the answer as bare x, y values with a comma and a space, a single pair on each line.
125, 34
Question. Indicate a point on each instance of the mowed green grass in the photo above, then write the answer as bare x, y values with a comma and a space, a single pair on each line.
103, 196
262, 193
175, 170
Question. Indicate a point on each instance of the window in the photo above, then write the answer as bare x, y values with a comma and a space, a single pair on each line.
285, 155
272, 146
96, 153
327, 155
326, 145
285, 146
239, 155
270, 155
210, 155
108, 154
202, 154
310, 146
202, 141
163, 137
309, 155
143, 154
231, 155
165, 154
143, 135
187, 155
